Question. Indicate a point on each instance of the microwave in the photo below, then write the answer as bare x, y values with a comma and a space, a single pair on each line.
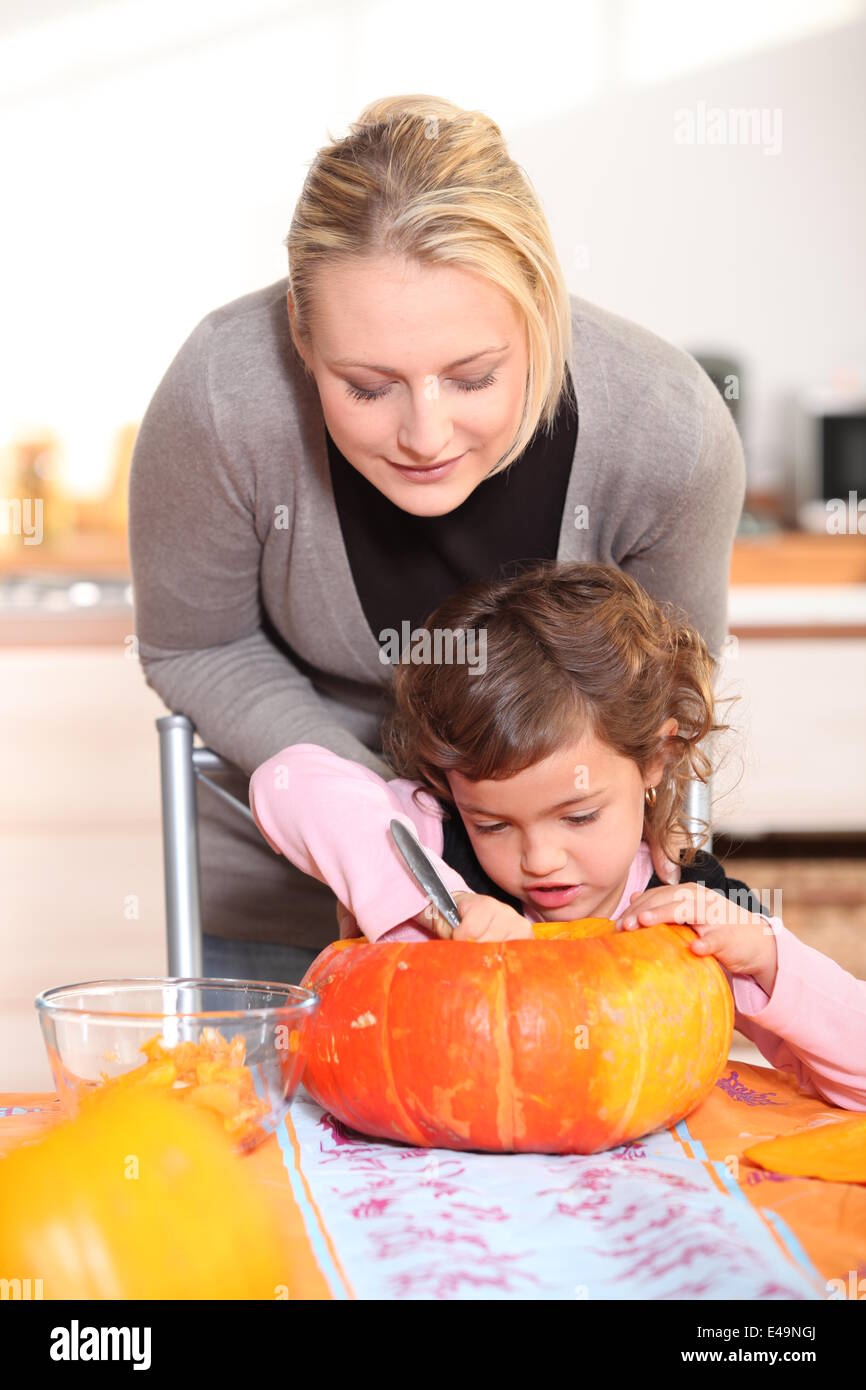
831, 460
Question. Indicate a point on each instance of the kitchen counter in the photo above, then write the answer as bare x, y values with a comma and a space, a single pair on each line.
798, 557
783, 584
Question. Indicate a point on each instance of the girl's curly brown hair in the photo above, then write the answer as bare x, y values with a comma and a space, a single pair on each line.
570, 647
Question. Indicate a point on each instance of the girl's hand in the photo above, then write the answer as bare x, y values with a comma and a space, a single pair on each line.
743, 941
487, 919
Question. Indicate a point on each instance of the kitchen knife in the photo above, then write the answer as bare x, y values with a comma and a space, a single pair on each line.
425, 875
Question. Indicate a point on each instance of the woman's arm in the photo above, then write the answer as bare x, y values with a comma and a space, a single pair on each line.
330, 817
812, 1023
195, 556
687, 556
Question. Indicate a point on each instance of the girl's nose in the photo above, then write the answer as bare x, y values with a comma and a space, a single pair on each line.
540, 860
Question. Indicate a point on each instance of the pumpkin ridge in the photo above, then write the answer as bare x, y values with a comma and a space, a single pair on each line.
353, 1118
505, 1094
385, 1050
682, 1111
703, 1001
609, 946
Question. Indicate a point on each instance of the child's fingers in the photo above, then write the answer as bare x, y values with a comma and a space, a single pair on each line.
442, 927
718, 941
433, 919
481, 921
469, 931
466, 906
682, 906
472, 916
658, 905
709, 940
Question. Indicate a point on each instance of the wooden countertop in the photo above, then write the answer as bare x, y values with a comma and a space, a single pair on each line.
774, 559
782, 557
798, 557
78, 555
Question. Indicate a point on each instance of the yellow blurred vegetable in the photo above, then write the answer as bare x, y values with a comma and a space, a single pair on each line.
138, 1197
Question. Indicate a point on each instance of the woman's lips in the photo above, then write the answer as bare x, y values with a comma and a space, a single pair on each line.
555, 897
427, 475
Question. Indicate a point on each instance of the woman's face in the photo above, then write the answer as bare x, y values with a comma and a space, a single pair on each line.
575, 820
403, 333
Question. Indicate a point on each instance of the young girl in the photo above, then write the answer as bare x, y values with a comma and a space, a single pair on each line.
531, 774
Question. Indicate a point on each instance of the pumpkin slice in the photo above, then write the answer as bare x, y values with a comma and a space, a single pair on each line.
835, 1152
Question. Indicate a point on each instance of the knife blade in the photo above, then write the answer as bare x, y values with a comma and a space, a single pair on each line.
424, 872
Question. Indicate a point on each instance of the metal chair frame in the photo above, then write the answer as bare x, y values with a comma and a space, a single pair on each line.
181, 765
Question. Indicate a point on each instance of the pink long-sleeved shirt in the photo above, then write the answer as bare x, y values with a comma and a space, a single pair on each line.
329, 816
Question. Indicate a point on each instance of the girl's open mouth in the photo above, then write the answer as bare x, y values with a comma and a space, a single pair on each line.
558, 895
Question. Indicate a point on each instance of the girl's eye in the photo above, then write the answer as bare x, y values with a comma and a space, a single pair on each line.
359, 394
573, 820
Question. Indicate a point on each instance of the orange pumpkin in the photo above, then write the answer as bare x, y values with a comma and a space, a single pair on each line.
137, 1197
574, 1042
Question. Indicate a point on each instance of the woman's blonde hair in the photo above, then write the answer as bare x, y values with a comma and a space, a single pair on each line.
570, 647
421, 178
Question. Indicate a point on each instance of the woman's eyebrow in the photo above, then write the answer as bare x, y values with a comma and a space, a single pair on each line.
392, 371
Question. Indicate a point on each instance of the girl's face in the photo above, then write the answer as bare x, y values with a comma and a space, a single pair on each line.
570, 825
440, 359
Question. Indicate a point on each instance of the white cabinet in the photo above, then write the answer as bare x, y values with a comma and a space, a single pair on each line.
796, 757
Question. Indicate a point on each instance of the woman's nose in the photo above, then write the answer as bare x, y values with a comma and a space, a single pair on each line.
426, 429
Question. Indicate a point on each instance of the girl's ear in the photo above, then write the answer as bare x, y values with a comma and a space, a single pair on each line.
656, 768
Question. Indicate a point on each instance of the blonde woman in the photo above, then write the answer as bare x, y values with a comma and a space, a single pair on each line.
420, 404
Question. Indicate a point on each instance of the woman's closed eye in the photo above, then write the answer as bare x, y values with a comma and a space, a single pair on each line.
359, 394
572, 820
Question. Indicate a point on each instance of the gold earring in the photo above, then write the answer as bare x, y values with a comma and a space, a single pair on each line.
650, 797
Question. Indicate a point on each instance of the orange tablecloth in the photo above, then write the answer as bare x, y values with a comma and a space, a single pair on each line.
678, 1214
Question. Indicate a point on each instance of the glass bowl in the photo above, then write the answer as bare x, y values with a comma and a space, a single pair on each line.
236, 1048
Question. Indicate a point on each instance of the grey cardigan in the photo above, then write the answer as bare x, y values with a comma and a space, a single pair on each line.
247, 617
